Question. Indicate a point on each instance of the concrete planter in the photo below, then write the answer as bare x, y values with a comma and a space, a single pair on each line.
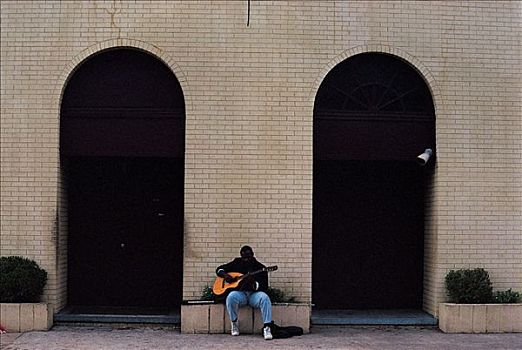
24, 317
480, 318
213, 318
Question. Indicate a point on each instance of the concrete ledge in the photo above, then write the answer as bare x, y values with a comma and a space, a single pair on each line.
480, 318
213, 318
24, 317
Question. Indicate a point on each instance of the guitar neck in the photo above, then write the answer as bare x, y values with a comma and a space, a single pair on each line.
252, 273
256, 272
267, 269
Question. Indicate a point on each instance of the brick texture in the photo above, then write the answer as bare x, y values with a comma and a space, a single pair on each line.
249, 106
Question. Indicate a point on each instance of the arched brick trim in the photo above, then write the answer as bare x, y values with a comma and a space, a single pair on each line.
113, 44
413, 61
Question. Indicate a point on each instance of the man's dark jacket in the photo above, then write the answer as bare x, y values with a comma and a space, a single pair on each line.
238, 265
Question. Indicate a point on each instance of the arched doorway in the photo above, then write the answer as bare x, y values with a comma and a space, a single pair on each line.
122, 151
373, 115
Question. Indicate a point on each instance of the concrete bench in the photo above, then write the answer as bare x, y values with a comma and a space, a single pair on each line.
213, 318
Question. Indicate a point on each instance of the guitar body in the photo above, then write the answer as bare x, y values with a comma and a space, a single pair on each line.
221, 286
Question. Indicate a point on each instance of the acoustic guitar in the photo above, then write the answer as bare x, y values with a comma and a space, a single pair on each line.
221, 286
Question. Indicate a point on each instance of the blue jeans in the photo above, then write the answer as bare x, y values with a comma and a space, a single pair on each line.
258, 300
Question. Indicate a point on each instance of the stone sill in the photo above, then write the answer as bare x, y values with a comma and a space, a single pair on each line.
213, 318
480, 318
25, 317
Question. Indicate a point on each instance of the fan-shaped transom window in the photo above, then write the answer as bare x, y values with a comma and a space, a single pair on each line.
372, 84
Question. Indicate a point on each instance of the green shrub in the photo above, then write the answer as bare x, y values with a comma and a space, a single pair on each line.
21, 280
208, 294
507, 297
278, 296
467, 286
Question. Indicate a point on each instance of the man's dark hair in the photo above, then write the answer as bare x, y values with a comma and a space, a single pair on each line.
246, 248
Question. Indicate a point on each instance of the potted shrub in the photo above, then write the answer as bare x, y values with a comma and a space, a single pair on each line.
473, 308
469, 286
21, 286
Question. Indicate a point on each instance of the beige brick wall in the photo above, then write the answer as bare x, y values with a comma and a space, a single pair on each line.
250, 94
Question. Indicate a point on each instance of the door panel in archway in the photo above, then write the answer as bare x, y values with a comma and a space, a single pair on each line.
368, 235
126, 225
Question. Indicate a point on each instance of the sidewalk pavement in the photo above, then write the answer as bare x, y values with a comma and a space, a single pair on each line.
322, 337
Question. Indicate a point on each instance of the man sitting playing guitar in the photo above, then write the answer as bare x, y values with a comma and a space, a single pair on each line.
251, 290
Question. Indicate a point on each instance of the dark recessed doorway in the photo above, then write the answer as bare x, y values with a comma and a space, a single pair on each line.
125, 224
122, 155
373, 115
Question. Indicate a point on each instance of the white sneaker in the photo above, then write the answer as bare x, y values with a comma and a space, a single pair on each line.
267, 333
235, 328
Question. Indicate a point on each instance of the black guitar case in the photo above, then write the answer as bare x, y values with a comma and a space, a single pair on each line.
279, 332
